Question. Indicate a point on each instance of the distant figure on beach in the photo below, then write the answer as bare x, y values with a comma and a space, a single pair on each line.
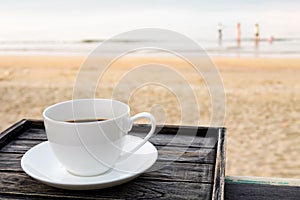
271, 39
238, 34
256, 33
220, 30
220, 33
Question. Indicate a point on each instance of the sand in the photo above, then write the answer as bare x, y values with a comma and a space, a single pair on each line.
262, 101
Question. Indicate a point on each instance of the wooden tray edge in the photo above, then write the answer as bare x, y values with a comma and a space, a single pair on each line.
11, 132
219, 175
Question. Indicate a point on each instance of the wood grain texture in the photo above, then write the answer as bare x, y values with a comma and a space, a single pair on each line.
194, 155
173, 171
19, 146
264, 180
238, 191
13, 131
166, 153
137, 189
185, 168
219, 175
178, 137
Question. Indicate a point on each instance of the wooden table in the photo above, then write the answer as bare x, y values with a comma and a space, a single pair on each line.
251, 188
191, 165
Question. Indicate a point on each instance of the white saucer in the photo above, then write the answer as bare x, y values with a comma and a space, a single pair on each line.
40, 163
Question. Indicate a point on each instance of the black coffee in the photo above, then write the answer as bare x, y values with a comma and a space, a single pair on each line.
85, 120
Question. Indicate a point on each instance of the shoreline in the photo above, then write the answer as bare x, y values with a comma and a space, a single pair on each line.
219, 59
232, 55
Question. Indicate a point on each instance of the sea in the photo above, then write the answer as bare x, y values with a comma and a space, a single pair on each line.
77, 27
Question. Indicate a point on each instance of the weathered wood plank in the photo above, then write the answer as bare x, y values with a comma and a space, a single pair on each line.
264, 180
19, 146
137, 189
6, 197
180, 140
163, 129
166, 135
173, 171
10, 162
159, 139
177, 172
10, 133
238, 191
20, 197
219, 175
191, 155
184, 130
33, 133
166, 153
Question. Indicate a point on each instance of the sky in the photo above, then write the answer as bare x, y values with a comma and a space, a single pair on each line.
78, 19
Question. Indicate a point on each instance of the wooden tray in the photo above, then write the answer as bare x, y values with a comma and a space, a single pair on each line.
191, 166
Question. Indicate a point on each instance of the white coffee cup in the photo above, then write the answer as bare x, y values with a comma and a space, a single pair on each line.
91, 148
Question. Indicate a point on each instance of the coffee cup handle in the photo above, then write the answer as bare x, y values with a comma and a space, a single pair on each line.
147, 115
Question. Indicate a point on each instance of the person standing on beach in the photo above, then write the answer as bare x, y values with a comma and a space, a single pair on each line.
256, 32
220, 30
238, 34
220, 33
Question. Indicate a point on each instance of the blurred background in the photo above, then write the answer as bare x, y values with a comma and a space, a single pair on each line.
75, 27
44, 43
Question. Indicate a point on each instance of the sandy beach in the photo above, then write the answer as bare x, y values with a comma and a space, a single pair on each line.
262, 101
